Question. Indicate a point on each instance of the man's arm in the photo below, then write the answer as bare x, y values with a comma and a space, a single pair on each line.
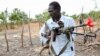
43, 34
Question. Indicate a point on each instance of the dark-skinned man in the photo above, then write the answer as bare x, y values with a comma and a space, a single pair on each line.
62, 45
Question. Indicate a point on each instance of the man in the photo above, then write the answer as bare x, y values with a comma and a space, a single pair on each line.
61, 39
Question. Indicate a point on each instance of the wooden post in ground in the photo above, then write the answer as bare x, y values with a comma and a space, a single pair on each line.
83, 20
30, 34
29, 29
98, 24
22, 33
5, 33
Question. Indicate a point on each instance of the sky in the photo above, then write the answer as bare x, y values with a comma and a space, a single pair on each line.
38, 6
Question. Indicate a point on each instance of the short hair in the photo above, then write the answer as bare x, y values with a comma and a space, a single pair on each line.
56, 5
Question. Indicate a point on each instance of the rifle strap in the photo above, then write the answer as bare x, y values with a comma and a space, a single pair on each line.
64, 48
52, 50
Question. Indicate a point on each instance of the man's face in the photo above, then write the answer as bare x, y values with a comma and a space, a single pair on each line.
53, 12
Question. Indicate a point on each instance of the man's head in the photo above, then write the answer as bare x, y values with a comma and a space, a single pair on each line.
54, 9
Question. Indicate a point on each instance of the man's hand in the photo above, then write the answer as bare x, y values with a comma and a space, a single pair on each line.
67, 32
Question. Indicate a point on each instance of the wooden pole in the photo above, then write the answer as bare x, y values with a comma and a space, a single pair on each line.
29, 29
5, 34
22, 33
83, 20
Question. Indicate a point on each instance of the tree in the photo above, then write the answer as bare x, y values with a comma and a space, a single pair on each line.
3, 17
94, 14
64, 13
18, 16
43, 17
74, 16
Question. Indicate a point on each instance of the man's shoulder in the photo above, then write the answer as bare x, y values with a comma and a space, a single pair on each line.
67, 17
49, 20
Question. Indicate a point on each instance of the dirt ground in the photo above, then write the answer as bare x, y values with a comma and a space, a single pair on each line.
15, 49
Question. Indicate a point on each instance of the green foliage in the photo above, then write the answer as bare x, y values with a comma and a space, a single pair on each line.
18, 16
64, 13
43, 17
95, 14
2, 16
74, 16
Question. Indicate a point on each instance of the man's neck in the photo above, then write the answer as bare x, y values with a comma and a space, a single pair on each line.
55, 19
